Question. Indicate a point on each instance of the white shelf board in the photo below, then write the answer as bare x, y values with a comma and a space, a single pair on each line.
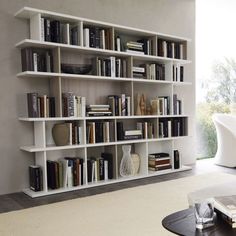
100, 183
38, 74
99, 118
181, 83
27, 12
50, 148
96, 51
54, 148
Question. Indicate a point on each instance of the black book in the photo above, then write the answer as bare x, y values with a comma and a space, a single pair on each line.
32, 102
51, 174
101, 169
159, 155
175, 103
177, 50
27, 59
35, 175
55, 31
176, 159
169, 49
120, 131
97, 37
181, 74
47, 30
92, 39
52, 109
145, 45
89, 169
81, 163
108, 157
175, 127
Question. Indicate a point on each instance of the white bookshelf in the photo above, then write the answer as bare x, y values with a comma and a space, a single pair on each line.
42, 146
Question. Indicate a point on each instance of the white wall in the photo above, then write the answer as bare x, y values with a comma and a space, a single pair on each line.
166, 16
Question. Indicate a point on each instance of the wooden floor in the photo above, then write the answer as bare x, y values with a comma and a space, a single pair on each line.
17, 201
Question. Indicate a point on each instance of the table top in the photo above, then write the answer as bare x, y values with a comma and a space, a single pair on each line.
183, 223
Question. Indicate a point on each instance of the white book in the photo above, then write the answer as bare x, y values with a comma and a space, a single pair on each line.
145, 130
148, 47
102, 39
70, 133
80, 177
169, 128
86, 37
70, 176
105, 169
78, 106
118, 44
113, 66
65, 172
133, 132
138, 69
83, 106
42, 34
173, 49
75, 105
95, 171
178, 73
45, 105
128, 106
134, 52
153, 71
164, 48
35, 61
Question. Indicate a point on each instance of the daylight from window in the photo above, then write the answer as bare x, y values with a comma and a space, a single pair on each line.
215, 68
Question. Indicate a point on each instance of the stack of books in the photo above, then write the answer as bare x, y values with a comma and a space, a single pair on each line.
98, 110
134, 47
225, 207
138, 72
127, 134
159, 161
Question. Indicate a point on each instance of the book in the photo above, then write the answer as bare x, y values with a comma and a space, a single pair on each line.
32, 104
226, 205
176, 159
35, 178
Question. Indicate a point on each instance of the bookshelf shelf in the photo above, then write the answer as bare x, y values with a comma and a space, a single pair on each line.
95, 51
163, 87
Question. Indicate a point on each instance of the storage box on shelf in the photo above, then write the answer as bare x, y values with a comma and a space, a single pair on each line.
103, 77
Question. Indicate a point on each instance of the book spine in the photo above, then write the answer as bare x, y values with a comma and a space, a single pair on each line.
32, 101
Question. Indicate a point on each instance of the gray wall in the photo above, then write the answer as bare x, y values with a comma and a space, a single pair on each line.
175, 17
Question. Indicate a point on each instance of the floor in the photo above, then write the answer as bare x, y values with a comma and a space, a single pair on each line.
17, 201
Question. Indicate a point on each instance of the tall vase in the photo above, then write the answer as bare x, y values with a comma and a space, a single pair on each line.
126, 165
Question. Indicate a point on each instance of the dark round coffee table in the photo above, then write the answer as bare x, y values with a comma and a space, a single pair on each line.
183, 223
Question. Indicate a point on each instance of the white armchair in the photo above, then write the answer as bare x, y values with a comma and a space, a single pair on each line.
226, 139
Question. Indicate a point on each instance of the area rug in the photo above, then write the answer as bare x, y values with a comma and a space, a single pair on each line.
135, 211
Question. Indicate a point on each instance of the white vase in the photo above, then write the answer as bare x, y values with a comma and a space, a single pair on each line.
126, 164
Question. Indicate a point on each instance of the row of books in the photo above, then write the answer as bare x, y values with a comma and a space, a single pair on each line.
59, 32
73, 105
100, 168
177, 105
100, 132
96, 37
33, 59
66, 172
159, 161
112, 66
170, 49
160, 105
147, 128
178, 73
40, 105
172, 127
120, 105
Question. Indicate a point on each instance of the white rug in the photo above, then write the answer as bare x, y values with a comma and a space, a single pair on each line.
135, 211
